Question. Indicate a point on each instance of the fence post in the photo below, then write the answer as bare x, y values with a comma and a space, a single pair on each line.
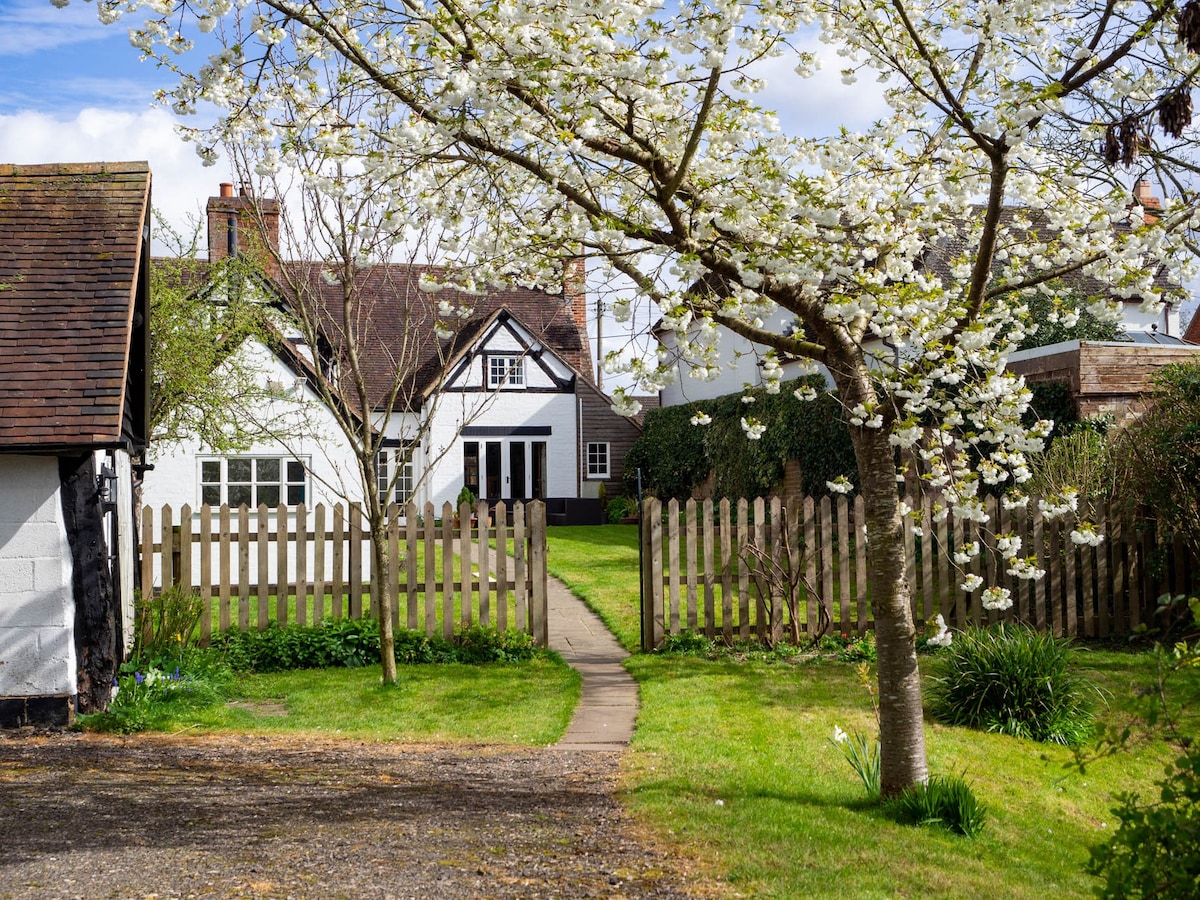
167, 540
652, 607
537, 560
205, 574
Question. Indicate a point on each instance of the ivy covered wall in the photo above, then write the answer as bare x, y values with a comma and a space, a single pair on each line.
677, 457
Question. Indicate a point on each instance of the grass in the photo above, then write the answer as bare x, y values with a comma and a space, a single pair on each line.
732, 766
599, 563
793, 820
528, 704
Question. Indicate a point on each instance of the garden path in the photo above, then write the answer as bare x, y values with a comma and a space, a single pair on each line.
607, 710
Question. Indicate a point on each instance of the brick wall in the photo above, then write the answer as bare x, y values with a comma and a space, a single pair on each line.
37, 608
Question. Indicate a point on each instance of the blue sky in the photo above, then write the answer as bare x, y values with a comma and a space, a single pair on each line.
58, 60
74, 90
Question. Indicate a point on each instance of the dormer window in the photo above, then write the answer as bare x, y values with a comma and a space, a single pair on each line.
505, 372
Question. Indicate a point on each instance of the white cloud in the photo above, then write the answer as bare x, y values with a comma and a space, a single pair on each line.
34, 26
819, 105
181, 185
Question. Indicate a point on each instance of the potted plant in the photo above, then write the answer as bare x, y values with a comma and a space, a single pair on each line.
467, 496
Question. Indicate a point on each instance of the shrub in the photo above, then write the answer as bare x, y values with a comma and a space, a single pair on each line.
620, 508
670, 454
1012, 680
946, 802
352, 643
1080, 459
687, 643
1155, 851
484, 645
166, 623
348, 643
1052, 400
1158, 456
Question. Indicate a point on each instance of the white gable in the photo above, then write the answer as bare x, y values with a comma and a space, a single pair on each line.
507, 347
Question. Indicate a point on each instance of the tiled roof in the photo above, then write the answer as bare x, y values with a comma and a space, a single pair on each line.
1192, 334
395, 322
70, 248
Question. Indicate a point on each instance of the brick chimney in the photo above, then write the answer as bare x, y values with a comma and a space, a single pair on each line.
243, 226
1143, 194
575, 295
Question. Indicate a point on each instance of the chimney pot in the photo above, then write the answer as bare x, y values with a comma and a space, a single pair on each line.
1144, 194
226, 188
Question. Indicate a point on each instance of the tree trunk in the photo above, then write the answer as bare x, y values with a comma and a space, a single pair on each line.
901, 724
382, 566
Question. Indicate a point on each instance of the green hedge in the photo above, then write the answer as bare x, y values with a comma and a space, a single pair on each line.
351, 643
676, 456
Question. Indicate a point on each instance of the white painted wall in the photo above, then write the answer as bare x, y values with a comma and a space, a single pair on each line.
456, 410
37, 606
314, 437
175, 479
739, 366
1166, 319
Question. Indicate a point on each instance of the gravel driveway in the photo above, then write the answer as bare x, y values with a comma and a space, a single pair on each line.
236, 816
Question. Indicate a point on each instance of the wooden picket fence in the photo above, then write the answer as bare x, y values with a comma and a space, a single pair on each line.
290, 564
727, 570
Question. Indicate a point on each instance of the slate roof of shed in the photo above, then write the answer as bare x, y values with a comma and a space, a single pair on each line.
70, 251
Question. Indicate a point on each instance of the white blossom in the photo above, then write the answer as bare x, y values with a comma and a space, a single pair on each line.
972, 583
753, 428
997, 598
840, 485
936, 632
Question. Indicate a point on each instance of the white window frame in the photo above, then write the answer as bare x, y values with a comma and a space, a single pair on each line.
405, 481
505, 370
595, 471
292, 490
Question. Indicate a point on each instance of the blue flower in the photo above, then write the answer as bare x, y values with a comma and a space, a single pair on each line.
175, 677
139, 677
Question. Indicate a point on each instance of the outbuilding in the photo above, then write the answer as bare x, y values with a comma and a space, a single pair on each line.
74, 406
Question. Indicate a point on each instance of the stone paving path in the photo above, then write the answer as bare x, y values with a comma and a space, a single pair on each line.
608, 707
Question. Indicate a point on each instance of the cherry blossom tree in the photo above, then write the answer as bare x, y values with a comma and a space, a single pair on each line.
903, 252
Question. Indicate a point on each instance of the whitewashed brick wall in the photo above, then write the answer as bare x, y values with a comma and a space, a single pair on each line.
37, 608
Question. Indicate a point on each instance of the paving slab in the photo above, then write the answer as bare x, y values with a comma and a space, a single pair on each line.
607, 710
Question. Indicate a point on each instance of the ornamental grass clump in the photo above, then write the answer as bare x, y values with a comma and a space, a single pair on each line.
1013, 680
947, 802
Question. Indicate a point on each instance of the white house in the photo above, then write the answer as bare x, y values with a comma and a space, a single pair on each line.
74, 251
505, 403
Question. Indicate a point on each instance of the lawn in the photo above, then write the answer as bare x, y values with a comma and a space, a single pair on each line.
526, 703
732, 766
599, 563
